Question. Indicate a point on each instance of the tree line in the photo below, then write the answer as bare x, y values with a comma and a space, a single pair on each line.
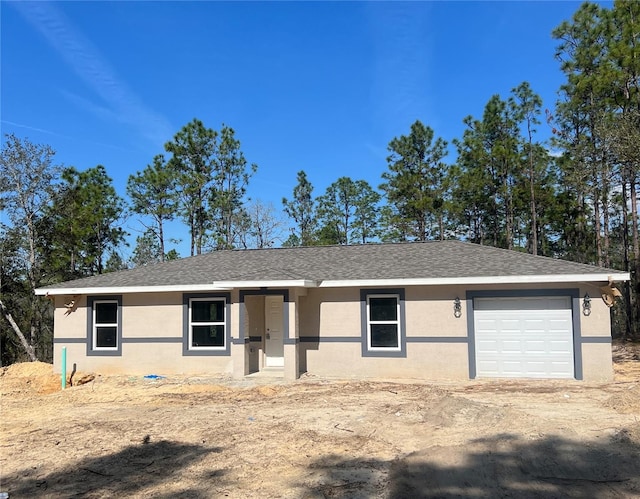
573, 196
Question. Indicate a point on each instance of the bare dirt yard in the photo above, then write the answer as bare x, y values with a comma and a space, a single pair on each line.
315, 438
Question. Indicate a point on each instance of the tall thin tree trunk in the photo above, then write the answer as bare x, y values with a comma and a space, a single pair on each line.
509, 221
625, 249
161, 238
31, 272
25, 344
192, 230
534, 214
634, 217
605, 219
597, 226
635, 257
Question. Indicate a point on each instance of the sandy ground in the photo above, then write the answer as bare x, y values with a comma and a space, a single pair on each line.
313, 438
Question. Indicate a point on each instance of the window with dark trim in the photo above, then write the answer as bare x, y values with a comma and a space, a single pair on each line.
104, 325
383, 333
383, 322
206, 324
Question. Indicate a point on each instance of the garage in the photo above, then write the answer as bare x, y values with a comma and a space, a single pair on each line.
523, 337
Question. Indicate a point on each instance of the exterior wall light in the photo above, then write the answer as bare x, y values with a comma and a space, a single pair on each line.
457, 308
586, 304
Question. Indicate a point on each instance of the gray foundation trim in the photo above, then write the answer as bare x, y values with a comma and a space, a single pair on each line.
364, 293
596, 339
255, 339
437, 339
573, 293
358, 339
331, 339
291, 341
70, 340
185, 325
103, 353
157, 339
239, 341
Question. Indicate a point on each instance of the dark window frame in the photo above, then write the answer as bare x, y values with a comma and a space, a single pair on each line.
187, 348
367, 350
92, 348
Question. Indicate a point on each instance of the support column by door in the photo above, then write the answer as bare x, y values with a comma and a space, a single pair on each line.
239, 339
291, 342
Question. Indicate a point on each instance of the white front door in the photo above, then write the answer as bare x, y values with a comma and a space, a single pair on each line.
274, 334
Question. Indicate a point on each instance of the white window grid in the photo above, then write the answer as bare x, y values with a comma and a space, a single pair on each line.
104, 324
222, 323
371, 322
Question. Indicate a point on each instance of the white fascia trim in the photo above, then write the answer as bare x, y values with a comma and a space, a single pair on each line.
439, 281
118, 290
293, 283
303, 283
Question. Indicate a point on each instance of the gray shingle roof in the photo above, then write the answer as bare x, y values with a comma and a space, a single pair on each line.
427, 260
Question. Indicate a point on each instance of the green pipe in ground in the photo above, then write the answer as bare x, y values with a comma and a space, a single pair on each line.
64, 367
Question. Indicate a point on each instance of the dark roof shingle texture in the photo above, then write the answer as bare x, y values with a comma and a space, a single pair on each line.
437, 259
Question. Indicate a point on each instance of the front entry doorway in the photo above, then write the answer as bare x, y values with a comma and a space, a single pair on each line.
274, 331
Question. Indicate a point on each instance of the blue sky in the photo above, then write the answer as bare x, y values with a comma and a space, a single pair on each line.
315, 86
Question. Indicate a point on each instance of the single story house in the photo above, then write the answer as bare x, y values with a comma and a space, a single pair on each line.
442, 310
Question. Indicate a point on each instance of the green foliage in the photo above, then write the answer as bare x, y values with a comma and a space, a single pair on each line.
171, 255
366, 217
594, 124
231, 177
505, 181
153, 192
348, 212
302, 210
15, 292
527, 109
85, 220
147, 250
27, 184
415, 183
504, 188
213, 175
193, 152
489, 175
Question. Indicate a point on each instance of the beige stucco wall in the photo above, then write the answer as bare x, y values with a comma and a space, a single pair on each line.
596, 362
429, 311
141, 359
430, 361
149, 315
335, 313
74, 324
331, 314
144, 315
598, 323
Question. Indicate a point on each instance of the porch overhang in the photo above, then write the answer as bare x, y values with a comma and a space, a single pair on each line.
284, 283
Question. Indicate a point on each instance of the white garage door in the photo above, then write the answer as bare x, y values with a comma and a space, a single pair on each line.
524, 337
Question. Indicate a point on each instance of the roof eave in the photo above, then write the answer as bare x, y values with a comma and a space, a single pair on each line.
117, 290
441, 281
305, 283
